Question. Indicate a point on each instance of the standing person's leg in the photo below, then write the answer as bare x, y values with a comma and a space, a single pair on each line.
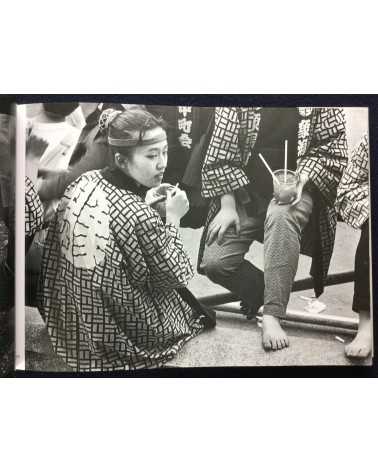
225, 264
362, 344
282, 239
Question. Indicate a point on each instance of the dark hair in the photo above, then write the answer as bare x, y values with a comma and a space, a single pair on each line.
61, 109
113, 106
133, 119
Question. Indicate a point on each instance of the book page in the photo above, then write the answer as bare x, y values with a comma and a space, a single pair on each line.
98, 279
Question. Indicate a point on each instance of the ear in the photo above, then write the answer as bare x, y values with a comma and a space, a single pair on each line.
119, 160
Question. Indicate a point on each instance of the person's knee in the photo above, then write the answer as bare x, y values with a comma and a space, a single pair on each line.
277, 211
286, 216
220, 268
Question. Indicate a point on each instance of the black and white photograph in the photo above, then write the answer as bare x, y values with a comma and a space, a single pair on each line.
162, 236
188, 235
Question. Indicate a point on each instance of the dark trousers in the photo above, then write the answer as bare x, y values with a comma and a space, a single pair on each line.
361, 299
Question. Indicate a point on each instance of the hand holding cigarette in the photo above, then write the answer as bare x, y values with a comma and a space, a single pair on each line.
177, 204
158, 198
159, 194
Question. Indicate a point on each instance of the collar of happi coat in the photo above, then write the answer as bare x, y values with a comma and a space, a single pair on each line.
120, 180
305, 128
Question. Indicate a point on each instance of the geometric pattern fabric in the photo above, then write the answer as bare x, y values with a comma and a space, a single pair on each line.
353, 192
33, 209
322, 155
109, 298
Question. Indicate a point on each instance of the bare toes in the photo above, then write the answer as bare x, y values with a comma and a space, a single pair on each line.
348, 352
365, 352
266, 344
351, 352
355, 351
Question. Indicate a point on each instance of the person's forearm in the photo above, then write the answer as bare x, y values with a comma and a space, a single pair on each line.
31, 170
95, 158
52, 187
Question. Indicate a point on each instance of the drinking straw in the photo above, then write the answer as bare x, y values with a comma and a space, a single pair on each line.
269, 169
285, 175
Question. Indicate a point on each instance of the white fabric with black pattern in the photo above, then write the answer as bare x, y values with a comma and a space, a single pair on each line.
109, 273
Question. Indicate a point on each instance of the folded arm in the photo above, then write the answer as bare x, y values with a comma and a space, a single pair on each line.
327, 157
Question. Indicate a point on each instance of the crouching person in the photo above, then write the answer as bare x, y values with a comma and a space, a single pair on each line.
114, 276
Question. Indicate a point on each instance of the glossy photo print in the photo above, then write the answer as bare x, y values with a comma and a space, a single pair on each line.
185, 236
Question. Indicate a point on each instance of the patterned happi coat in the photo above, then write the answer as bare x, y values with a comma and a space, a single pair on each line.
322, 154
353, 192
110, 281
33, 209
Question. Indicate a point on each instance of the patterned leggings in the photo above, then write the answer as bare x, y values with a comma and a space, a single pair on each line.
281, 231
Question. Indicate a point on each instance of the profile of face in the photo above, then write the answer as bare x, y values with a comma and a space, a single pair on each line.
147, 162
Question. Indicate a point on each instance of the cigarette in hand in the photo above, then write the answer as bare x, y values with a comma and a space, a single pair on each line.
175, 188
161, 198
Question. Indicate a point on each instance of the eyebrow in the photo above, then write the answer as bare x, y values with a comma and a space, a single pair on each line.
155, 148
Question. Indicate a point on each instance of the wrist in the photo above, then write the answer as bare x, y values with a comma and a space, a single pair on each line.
228, 201
173, 220
304, 178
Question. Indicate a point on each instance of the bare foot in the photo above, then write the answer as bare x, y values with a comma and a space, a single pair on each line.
361, 345
273, 336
